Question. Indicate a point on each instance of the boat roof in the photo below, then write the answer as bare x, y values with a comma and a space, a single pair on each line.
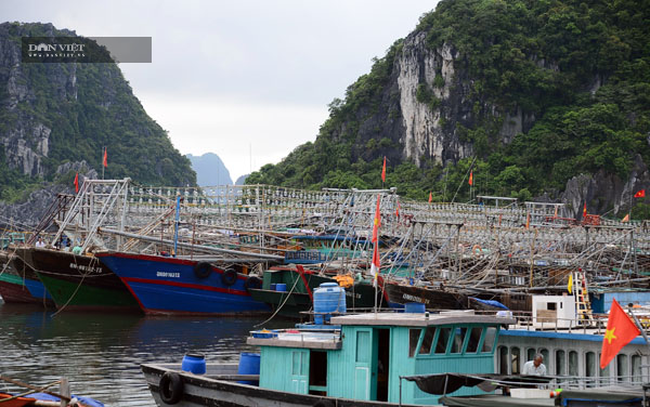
420, 319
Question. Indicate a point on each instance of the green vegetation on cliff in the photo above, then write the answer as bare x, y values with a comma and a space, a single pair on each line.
86, 106
580, 70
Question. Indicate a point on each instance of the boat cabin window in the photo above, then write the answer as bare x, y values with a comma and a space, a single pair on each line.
530, 354
559, 363
363, 342
622, 368
414, 337
515, 357
503, 360
443, 339
573, 363
425, 349
474, 339
604, 374
546, 357
459, 338
590, 365
636, 368
488, 341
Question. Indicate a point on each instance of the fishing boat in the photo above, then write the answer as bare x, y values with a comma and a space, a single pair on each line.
29, 395
358, 360
78, 281
570, 338
44, 400
19, 283
169, 285
400, 293
289, 291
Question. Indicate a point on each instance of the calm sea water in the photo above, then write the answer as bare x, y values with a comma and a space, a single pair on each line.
101, 353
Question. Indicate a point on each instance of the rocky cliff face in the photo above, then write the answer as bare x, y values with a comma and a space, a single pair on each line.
51, 113
25, 138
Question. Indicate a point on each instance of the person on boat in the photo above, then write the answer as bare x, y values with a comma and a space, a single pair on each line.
535, 367
40, 242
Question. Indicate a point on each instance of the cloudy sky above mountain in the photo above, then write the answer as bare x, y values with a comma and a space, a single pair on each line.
247, 80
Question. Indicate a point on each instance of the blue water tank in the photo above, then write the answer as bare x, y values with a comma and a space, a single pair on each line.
194, 363
328, 298
249, 363
281, 287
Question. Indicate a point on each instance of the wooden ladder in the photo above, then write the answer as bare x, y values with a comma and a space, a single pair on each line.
583, 305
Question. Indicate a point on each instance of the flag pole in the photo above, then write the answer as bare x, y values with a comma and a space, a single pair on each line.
638, 325
103, 167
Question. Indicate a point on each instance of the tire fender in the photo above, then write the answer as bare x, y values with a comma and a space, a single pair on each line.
171, 388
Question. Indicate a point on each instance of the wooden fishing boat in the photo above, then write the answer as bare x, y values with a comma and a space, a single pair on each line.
359, 360
295, 295
43, 400
169, 285
19, 283
78, 282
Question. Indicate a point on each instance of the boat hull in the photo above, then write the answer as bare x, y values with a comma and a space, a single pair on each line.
78, 282
399, 294
208, 391
166, 285
24, 286
299, 285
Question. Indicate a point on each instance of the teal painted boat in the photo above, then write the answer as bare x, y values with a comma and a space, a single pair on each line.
359, 360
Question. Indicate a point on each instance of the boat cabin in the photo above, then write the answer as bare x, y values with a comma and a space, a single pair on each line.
363, 357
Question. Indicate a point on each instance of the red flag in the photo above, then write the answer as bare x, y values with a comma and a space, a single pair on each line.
377, 222
640, 194
105, 161
76, 183
374, 267
584, 210
626, 218
383, 171
397, 210
430, 197
620, 331
471, 177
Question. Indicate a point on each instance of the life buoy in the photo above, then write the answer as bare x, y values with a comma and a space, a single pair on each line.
171, 388
202, 269
476, 250
229, 277
253, 282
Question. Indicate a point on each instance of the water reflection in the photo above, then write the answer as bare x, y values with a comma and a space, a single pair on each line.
101, 353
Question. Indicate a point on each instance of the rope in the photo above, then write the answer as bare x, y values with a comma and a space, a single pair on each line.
282, 305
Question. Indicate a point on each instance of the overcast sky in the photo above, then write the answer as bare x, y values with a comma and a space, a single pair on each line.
239, 77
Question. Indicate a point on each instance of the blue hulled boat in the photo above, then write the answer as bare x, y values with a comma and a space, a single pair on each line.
169, 285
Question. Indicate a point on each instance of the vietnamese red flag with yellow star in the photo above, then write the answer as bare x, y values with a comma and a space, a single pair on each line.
620, 331
383, 171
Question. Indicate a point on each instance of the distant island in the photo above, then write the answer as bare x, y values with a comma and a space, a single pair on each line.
210, 170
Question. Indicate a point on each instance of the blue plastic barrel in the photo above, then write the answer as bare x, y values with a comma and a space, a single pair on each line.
194, 363
328, 298
414, 307
280, 287
249, 363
